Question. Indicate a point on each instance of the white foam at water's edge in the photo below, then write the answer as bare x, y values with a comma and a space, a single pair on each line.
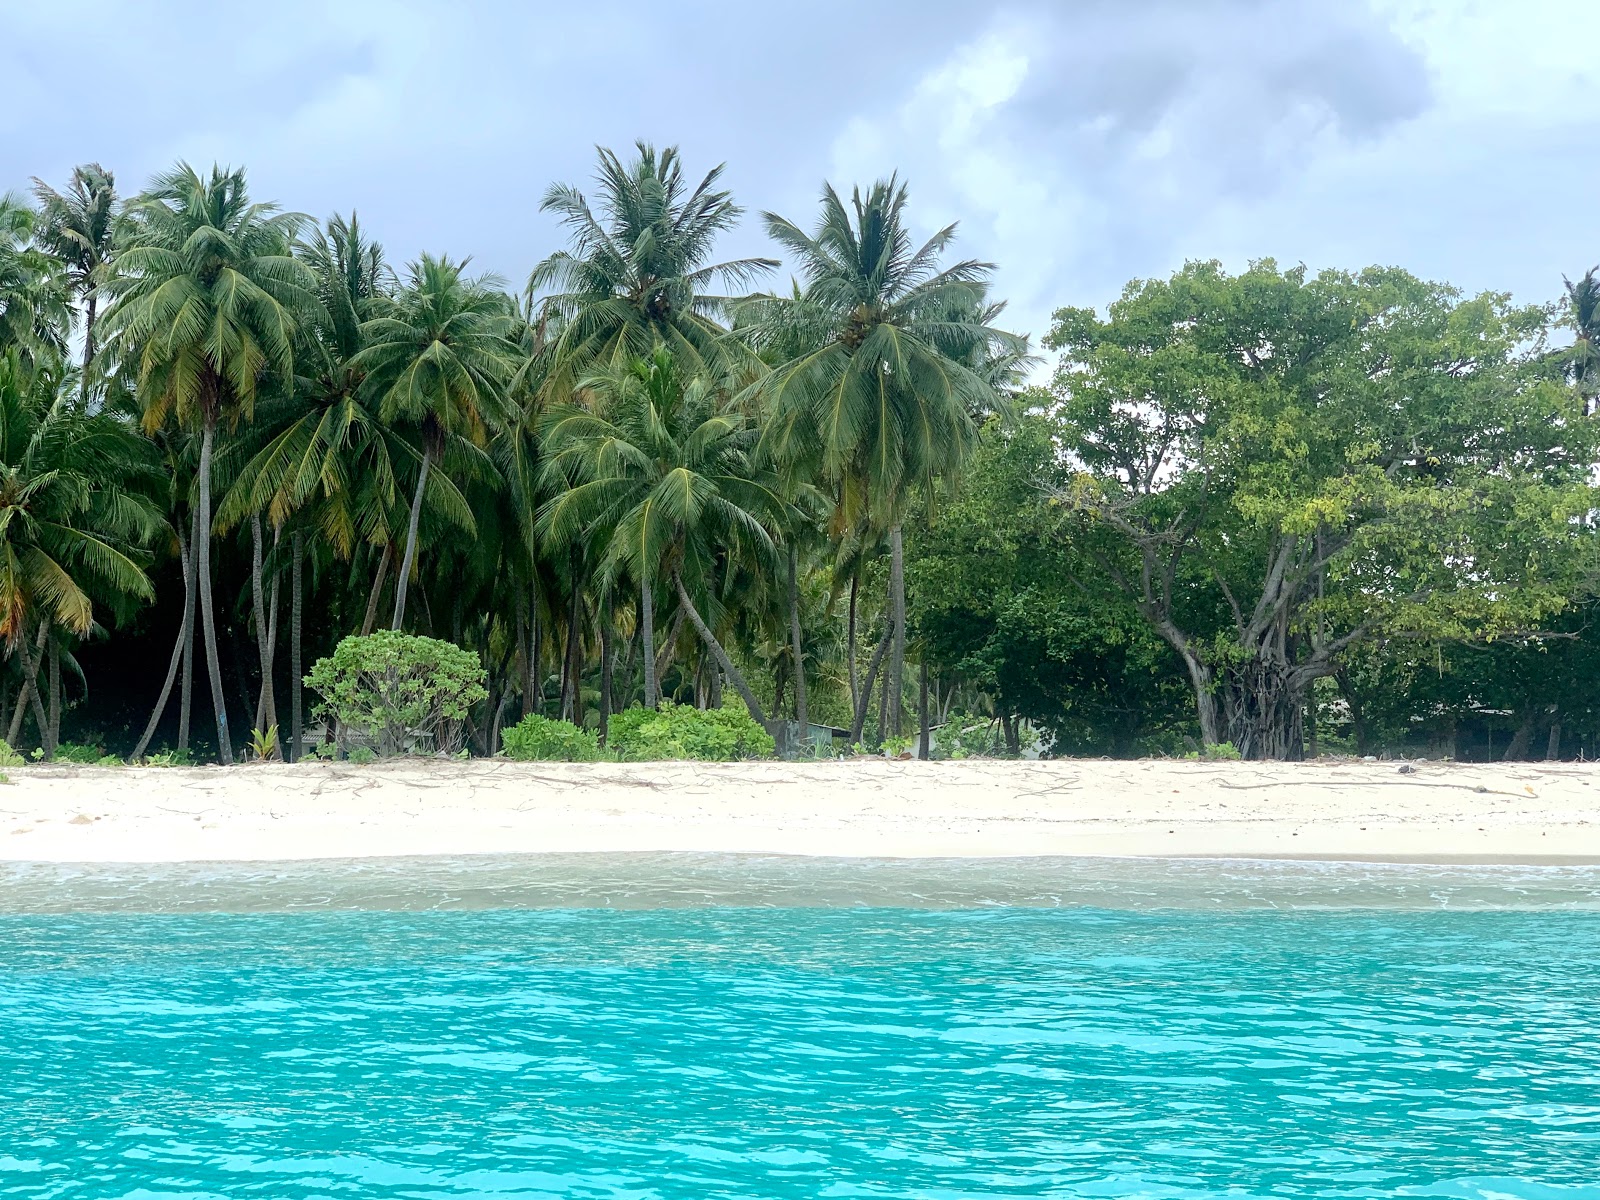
647, 881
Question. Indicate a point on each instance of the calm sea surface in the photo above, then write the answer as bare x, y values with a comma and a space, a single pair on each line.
674, 1028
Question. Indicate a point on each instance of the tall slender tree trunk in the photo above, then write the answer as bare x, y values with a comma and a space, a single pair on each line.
735, 676
1552, 745
53, 734
190, 599
297, 683
850, 639
266, 620
647, 637
30, 688
401, 583
374, 597
864, 699
922, 711
897, 664
802, 714
179, 650
208, 619
535, 655
89, 306
605, 666
572, 667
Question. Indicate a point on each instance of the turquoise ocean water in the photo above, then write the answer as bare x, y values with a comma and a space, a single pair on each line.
675, 1028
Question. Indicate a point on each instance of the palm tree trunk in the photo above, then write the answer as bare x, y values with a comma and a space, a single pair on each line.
411, 541
376, 594
850, 638
735, 677
922, 707
30, 687
864, 699
179, 651
897, 663
802, 714
186, 691
266, 702
535, 701
572, 667
53, 736
647, 637
208, 619
605, 666
88, 344
296, 677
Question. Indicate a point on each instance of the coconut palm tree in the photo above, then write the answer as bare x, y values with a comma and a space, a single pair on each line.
205, 302
638, 271
659, 477
883, 396
75, 508
77, 229
438, 357
35, 305
1583, 313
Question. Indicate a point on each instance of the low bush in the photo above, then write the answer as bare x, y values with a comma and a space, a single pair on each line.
8, 756
680, 731
395, 693
540, 739
74, 752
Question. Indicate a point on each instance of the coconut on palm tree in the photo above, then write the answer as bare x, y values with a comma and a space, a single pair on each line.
659, 475
879, 389
76, 227
639, 271
438, 358
206, 301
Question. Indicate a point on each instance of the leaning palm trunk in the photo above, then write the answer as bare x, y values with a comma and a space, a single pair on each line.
52, 737
850, 638
180, 650
605, 667
378, 580
735, 676
647, 638
897, 603
802, 714
186, 693
30, 688
864, 698
296, 680
411, 541
266, 621
208, 621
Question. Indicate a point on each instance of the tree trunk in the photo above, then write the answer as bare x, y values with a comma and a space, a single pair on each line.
186, 678
53, 736
180, 650
375, 596
864, 699
208, 620
30, 685
1265, 705
535, 657
297, 683
1517, 750
735, 676
647, 638
410, 559
850, 641
802, 714
1552, 747
923, 743
90, 303
605, 666
897, 664
572, 667
266, 701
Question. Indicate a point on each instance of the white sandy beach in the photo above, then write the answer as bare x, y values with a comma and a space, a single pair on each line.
864, 807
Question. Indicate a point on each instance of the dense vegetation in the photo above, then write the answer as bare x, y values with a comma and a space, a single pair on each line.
1268, 513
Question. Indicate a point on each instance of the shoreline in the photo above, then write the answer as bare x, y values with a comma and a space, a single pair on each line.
1326, 811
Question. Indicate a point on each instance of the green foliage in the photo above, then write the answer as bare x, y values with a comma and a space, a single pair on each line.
264, 743
1217, 752
9, 757
170, 758
541, 739
397, 693
88, 755
678, 731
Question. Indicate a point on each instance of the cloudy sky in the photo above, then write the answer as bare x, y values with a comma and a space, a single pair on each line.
1080, 143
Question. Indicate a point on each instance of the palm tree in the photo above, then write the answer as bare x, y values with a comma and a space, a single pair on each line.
35, 307
438, 357
637, 273
73, 513
206, 300
882, 397
77, 229
660, 477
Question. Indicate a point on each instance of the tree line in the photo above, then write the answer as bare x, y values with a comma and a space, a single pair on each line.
1268, 513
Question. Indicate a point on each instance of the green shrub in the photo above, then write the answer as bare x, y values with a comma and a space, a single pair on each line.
8, 756
680, 731
1221, 752
539, 739
169, 758
74, 752
399, 694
